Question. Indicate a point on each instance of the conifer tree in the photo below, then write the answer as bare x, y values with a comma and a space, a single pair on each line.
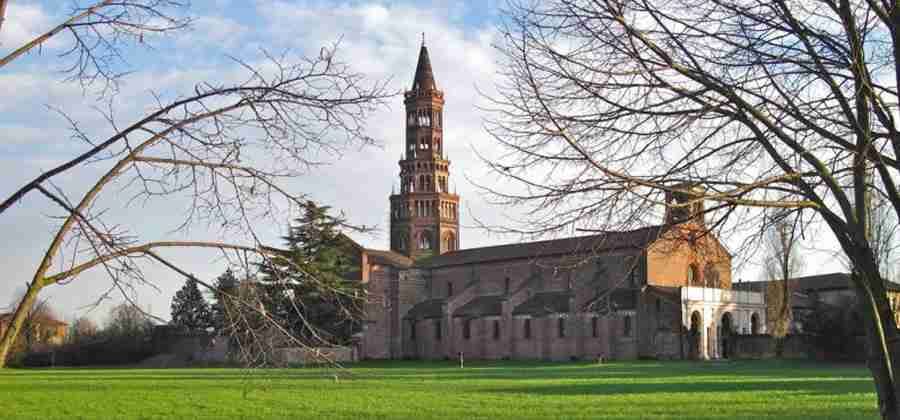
223, 301
310, 289
189, 309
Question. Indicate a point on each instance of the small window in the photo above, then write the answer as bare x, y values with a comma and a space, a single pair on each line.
658, 306
437, 330
527, 328
412, 330
496, 329
562, 327
626, 326
467, 329
449, 289
506, 285
595, 327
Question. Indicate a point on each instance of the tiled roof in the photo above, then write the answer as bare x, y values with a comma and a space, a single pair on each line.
432, 308
670, 293
544, 303
819, 282
481, 306
595, 244
389, 258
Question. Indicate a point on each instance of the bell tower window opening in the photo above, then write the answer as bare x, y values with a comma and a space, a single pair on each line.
425, 240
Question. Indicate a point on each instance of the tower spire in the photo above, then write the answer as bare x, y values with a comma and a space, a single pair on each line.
424, 79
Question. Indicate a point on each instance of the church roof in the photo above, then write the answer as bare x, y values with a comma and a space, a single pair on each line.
596, 244
481, 306
545, 303
432, 308
424, 78
390, 258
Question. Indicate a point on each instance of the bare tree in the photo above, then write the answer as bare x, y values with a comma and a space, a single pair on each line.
225, 149
605, 106
127, 320
782, 264
81, 330
98, 34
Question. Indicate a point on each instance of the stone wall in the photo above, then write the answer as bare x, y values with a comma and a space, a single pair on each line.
316, 355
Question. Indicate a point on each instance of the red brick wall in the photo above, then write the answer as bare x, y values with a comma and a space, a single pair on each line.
669, 258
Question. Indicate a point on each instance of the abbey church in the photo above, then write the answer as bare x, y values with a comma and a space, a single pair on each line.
661, 291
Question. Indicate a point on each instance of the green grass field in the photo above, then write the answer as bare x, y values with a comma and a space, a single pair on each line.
500, 390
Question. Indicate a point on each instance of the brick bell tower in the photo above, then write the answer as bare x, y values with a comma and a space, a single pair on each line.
424, 215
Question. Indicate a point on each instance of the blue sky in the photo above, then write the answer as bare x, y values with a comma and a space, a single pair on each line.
380, 39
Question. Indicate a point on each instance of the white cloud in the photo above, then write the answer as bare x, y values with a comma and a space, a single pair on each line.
23, 23
214, 32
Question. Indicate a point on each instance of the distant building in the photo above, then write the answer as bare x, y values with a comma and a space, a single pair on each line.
811, 292
660, 291
48, 330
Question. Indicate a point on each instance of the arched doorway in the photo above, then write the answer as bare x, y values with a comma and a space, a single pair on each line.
694, 336
726, 330
754, 324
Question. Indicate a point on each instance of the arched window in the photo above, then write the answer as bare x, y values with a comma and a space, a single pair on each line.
561, 327
506, 285
412, 330
626, 326
658, 306
595, 328
425, 239
449, 241
467, 328
526, 328
449, 289
496, 329
754, 324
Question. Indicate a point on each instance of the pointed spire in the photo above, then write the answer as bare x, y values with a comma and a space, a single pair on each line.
424, 77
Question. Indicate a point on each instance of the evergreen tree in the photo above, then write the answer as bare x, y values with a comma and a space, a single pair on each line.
224, 301
309, 287
189, 309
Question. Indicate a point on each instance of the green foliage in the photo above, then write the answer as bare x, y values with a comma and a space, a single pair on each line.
223, 301
308, 288
834, 328
190, 310
750, 390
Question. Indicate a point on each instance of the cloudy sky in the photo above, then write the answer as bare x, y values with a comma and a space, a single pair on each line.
380, 39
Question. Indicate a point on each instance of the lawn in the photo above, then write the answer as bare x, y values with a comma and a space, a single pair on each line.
498, 390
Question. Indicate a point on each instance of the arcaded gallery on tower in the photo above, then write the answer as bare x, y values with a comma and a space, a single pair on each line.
620, 295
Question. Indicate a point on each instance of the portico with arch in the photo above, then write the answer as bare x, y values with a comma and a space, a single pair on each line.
712, 317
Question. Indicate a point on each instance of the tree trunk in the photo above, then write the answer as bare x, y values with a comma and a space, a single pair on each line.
15, 325
881, 340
